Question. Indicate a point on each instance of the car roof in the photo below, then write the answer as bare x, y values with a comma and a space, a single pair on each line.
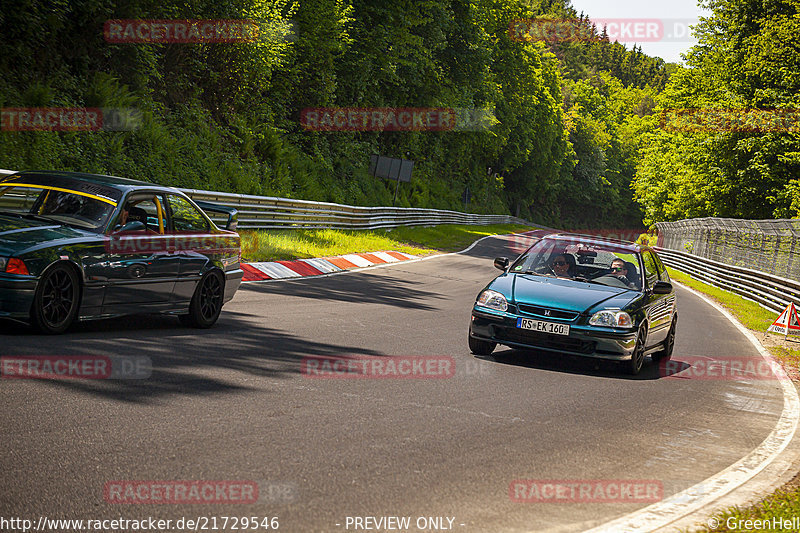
115, 182
597, 241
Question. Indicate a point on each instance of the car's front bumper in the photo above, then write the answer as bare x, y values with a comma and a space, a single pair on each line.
16, 295
584, 340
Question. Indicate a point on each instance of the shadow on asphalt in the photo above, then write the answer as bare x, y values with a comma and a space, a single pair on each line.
236, 342
232, 344
572, 364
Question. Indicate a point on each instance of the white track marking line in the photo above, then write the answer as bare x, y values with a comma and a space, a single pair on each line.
688, 501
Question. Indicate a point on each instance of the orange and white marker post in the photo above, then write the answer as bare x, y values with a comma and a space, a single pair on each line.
788, 323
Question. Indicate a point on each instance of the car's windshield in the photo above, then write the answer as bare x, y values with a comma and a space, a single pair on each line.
581, 261
61, 206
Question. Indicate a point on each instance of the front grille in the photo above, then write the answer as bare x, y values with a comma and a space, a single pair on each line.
554, 313
543, 340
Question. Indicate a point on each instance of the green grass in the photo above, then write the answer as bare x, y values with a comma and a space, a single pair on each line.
783, 504
752, 315
264, 245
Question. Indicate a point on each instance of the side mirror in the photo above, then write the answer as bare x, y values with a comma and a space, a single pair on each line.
233, 221
501, 263
231, 212
662, 287
133, 225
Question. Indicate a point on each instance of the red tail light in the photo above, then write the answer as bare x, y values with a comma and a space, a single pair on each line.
16, 266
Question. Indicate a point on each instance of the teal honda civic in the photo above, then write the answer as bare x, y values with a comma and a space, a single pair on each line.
579, 295
79, 246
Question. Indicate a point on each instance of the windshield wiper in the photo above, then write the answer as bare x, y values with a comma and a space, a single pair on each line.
587, 280
24, 215
39, 217
535, 273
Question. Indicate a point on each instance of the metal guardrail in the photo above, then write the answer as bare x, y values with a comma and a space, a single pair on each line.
764, 245
267, 212
771, 291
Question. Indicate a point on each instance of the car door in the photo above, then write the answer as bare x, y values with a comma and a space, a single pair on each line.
669, 299
141, 266
659, 311
195, 243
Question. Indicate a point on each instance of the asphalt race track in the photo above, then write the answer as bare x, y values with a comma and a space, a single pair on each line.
231, 403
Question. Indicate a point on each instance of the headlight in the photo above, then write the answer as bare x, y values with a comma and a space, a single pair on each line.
493, 300
611, 319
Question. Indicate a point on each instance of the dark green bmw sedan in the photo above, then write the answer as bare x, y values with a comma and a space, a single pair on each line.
81, 246
579, 295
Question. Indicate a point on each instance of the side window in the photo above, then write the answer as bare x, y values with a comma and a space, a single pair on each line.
145, 209
650, 268
185, 217
662, 270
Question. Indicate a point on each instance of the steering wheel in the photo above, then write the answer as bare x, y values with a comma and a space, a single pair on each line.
615, 281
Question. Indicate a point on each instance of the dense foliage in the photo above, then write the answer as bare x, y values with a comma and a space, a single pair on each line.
563, 149
746, 59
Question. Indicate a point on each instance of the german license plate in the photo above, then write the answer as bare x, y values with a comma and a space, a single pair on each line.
544, 327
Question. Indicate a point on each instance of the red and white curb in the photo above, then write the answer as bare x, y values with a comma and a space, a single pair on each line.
317, 267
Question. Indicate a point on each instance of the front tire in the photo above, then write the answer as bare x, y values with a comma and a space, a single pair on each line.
634, 366
479, 347
206, 302
57, 299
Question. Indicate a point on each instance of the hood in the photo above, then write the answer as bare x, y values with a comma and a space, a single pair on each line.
564, 294
19, 234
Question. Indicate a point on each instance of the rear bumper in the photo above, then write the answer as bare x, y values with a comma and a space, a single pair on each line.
605, 343
16, 296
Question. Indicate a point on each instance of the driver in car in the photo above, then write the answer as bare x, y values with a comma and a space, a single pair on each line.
131, 212
620, 271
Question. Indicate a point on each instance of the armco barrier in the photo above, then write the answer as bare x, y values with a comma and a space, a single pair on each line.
267, 212
770, 291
